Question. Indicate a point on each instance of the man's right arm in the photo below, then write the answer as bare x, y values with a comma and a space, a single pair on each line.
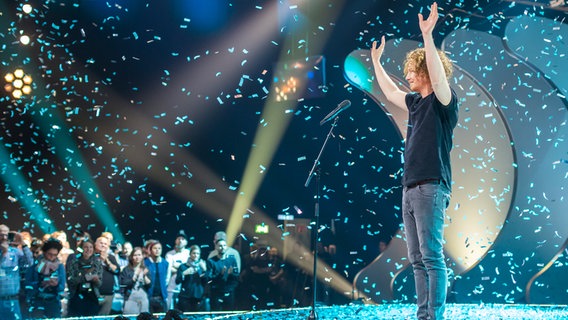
388, 87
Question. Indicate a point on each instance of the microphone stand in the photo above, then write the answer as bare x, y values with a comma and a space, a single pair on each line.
315, 228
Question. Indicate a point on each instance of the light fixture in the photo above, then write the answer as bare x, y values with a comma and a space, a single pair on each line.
27, 8
25, 40
18, 83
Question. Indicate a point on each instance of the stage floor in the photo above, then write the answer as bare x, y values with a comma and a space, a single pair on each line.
407, 311
392, 311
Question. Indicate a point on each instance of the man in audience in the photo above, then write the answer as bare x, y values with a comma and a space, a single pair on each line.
111, 243
175, 258
225, 264
230, 250
157, 272
124, 253
111, 270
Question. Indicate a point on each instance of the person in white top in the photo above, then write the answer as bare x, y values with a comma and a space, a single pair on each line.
175, 257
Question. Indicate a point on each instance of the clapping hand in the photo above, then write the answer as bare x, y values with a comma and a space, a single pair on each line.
202, 265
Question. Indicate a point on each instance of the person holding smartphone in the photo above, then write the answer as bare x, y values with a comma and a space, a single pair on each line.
45, 282
14, 259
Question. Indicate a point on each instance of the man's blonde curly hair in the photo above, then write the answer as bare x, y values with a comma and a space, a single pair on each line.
417, 59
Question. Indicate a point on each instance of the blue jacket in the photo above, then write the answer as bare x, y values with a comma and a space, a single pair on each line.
34, 279
162, 268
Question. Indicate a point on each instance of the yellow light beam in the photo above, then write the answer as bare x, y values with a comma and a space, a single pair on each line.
274, 121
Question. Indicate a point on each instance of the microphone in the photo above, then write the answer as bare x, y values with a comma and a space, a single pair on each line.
342, 106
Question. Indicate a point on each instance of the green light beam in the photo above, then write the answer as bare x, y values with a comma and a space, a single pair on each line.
12, 176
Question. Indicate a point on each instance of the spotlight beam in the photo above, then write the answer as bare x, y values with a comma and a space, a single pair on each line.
57, 134
274, 121
12, 175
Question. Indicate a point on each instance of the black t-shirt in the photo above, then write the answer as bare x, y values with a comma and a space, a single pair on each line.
429, 139
108, 281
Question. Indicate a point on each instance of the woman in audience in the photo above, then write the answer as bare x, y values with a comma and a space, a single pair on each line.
191, 275
45, 282
158, 273
84, 274
134, 278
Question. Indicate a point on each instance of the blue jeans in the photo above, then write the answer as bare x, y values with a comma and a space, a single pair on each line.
423, 211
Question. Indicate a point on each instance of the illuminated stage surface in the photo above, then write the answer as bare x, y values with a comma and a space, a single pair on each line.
393, 311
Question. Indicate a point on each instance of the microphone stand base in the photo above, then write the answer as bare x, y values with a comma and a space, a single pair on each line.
312, 315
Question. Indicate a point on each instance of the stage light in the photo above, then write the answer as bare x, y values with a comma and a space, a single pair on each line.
9, 77
18, 83
300, 78
25, 40
17, 94
27, 8
286, 89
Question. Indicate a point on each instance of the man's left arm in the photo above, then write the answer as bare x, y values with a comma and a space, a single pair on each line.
436, 71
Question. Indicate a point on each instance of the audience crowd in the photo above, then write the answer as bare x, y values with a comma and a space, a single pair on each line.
46, 278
